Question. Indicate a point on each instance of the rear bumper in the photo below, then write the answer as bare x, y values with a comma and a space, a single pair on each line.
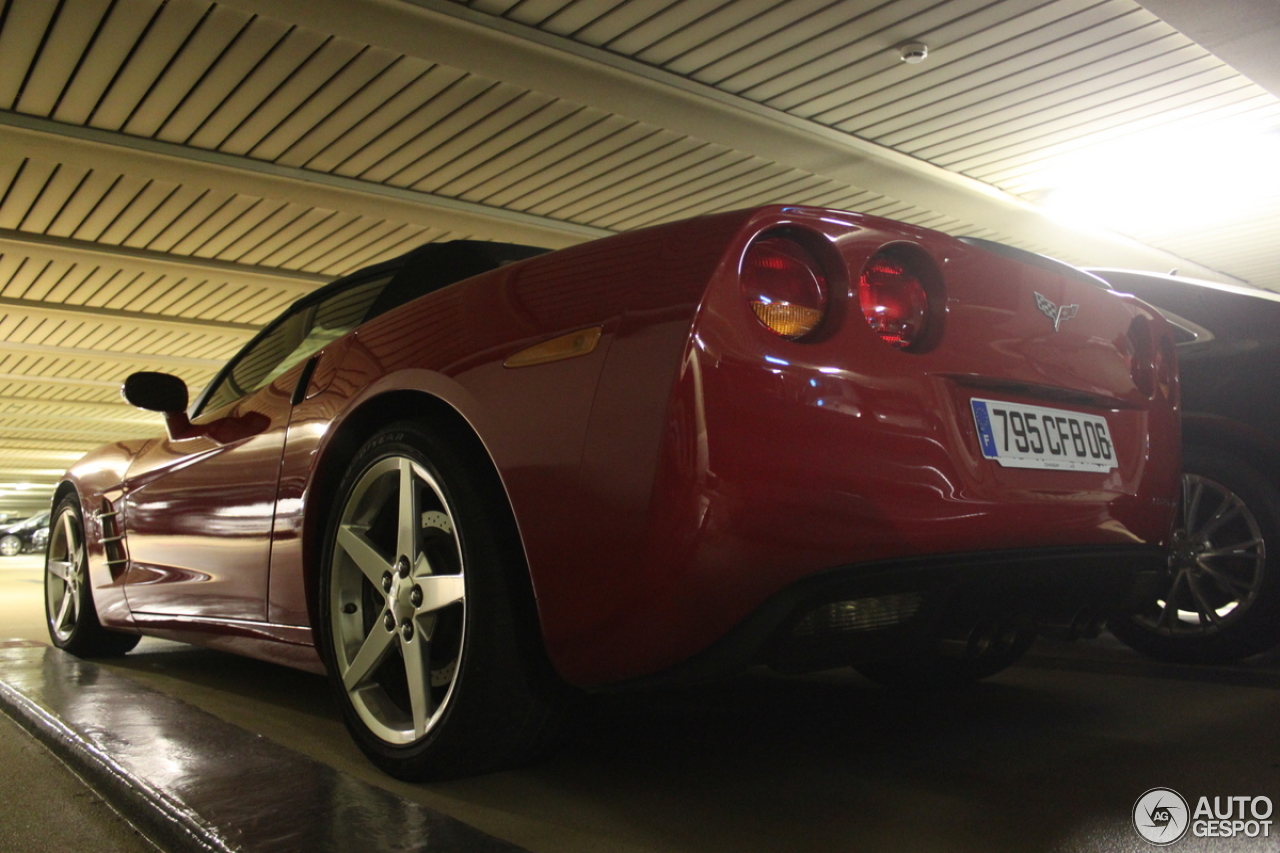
866, 612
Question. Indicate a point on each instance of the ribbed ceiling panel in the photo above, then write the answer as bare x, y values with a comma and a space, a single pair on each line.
1010, 87
150, 267
210, 77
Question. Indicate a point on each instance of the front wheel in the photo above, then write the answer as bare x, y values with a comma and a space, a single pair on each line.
1221, 596
10, 545
428, 631
68, 597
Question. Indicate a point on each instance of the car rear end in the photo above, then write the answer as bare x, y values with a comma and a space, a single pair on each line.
877, 427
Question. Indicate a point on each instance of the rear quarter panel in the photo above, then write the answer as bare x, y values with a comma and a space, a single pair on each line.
537, 423
781, 459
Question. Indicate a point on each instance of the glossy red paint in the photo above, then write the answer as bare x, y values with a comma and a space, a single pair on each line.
199, 511
670, 482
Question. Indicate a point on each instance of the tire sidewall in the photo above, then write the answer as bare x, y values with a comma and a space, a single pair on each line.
1258, 629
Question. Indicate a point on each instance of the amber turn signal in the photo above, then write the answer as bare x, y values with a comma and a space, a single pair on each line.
572, 345
785, 286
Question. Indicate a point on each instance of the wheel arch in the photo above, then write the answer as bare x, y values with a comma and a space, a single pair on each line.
1233, 438
352, 432
66, 487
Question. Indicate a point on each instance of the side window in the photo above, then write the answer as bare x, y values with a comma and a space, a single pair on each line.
294, 339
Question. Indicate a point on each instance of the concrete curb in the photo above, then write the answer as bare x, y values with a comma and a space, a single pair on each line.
193, 783
163, 821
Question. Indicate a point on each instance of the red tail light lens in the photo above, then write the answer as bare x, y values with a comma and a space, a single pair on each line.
894, 300
1167, 367
785, 286
1143, 347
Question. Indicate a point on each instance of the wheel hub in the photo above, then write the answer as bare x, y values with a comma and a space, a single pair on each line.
1184, 552
401, 592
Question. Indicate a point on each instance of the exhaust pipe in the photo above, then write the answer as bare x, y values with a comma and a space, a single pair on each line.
1084, 623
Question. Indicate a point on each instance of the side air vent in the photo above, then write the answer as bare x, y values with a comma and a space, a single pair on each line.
113, 539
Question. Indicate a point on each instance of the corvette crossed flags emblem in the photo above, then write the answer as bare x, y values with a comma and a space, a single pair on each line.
1058, 315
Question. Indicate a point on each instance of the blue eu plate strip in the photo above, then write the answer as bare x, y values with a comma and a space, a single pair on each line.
985, 434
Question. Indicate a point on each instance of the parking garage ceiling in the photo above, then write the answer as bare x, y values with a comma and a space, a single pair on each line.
172, 174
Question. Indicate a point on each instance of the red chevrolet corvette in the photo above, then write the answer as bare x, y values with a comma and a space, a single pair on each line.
469, 480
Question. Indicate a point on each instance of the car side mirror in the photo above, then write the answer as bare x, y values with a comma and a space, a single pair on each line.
160, 392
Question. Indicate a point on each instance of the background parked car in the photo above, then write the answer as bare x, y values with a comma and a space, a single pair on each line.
1221, 599
30, 534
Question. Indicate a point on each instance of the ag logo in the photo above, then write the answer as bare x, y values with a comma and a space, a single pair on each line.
1058, 315
1160, 816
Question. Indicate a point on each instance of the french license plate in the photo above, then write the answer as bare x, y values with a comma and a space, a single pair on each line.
1020, 436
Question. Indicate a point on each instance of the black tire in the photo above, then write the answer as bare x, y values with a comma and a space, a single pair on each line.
1216, 607
486, 696
990, 648
10, 545
70, 614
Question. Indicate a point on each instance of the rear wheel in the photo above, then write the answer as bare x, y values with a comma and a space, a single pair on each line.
429, 637
1221, 596
68, 596
10, 545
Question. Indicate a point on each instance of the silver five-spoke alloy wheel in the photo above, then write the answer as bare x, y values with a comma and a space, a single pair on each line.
66, 576
397, 605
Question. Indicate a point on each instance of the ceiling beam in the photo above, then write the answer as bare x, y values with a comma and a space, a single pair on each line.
179, 266
108, 355
61, 380
452, 34
23, 135
106, 407
93, 436
46, 450
135, 319
94, 417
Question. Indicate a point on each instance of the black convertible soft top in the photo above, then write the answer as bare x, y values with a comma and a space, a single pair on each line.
425, 269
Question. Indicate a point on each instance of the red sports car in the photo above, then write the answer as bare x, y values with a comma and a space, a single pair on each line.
469, 480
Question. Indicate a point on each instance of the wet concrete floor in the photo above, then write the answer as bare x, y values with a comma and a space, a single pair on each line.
1048, 756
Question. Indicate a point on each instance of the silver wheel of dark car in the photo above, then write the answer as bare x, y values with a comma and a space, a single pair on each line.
10, 545
1216, 563
397, 605
429, 629
68, 596
1220, 600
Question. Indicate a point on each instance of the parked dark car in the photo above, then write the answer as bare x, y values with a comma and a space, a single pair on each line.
1221, 598
29, 534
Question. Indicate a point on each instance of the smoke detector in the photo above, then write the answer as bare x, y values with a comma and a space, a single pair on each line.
914, 52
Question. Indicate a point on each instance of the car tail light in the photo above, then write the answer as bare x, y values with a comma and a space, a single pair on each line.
894, 299
785, 286
1143, 347
1167, 367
